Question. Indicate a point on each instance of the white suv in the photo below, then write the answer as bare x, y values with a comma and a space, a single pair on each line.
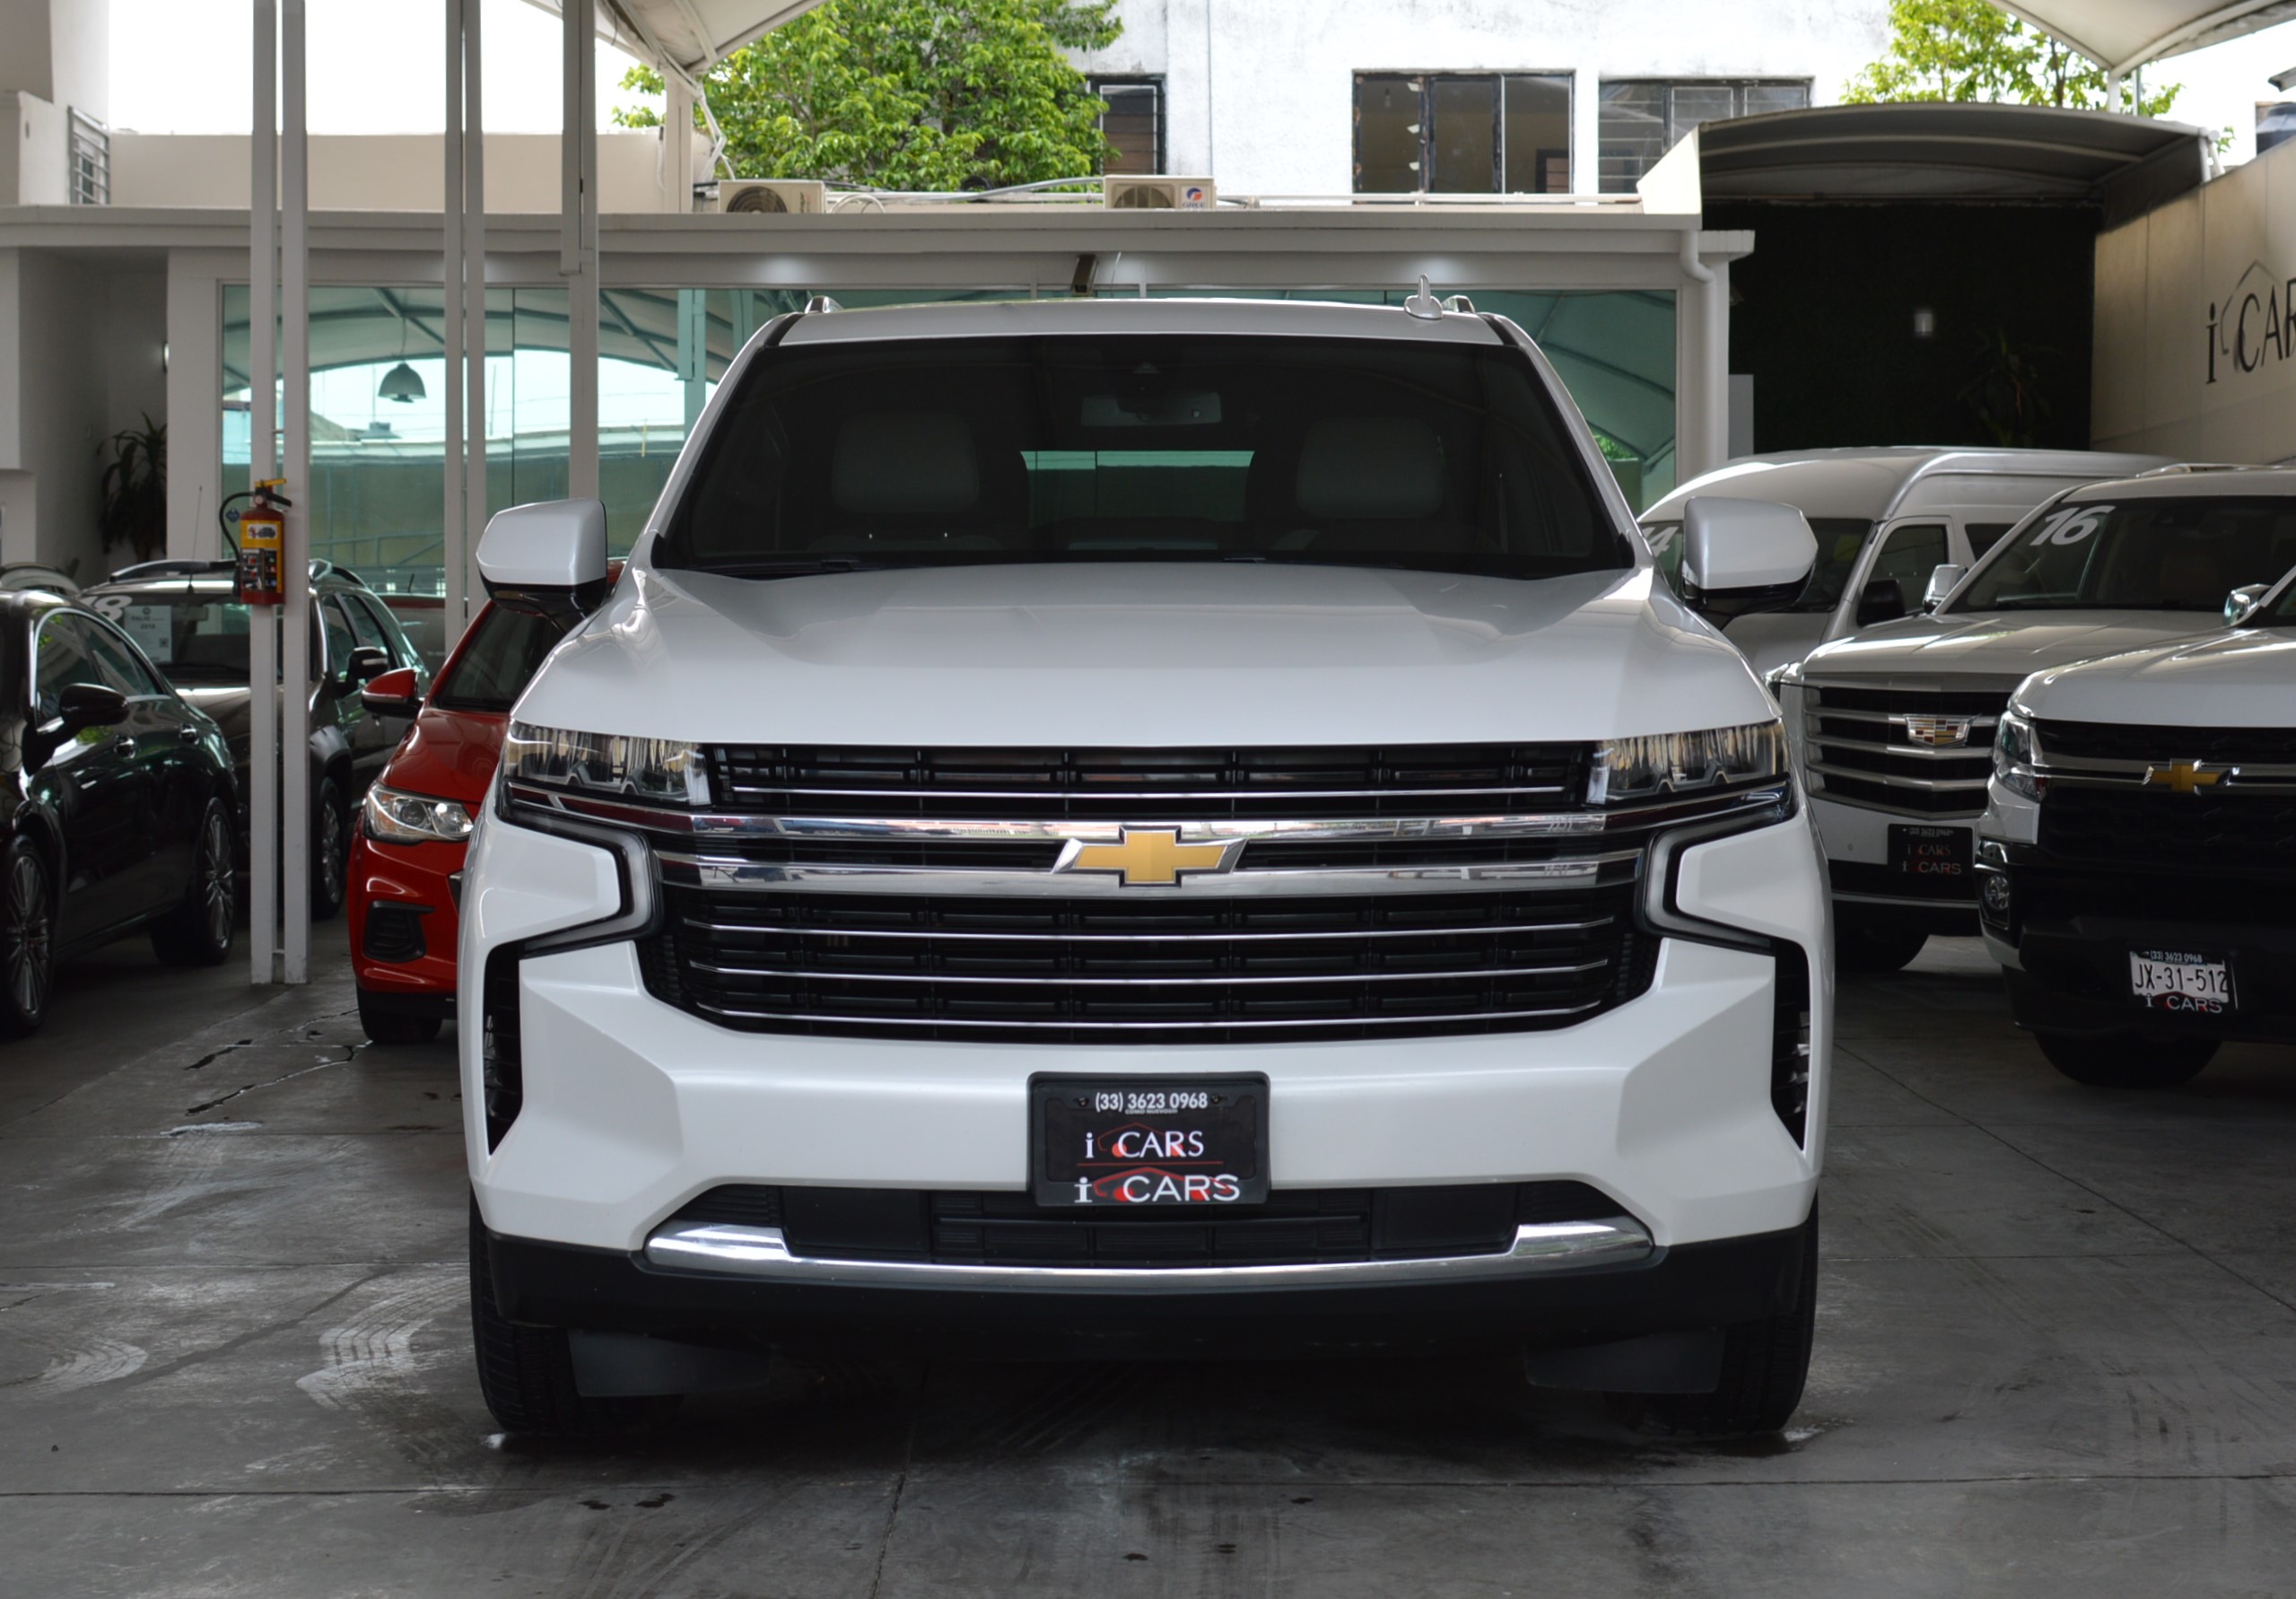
2132, 860
1103, 826
1896, 725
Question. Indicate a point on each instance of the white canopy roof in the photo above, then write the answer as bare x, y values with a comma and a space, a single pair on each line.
2126, 34
688, 36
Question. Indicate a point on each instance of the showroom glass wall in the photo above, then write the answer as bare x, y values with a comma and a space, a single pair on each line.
378, 425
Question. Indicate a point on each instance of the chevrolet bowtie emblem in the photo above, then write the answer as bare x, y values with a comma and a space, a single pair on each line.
2181, 777
1147, 857
1938, 732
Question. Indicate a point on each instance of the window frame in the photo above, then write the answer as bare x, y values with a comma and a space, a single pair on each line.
1425, 80
1138, 80
1738, 86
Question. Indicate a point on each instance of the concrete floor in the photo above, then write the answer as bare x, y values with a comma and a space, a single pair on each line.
2057, 1354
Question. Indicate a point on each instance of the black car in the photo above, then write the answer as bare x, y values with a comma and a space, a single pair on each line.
121, 804
187, 617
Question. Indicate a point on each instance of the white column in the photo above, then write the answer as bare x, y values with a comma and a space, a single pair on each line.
473, 267
262, 411
678, 146
296, 586
195, 430
453, 533
1585, 131
578, 240
1702, 357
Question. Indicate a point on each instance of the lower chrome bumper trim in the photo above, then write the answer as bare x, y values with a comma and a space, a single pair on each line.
763, 1252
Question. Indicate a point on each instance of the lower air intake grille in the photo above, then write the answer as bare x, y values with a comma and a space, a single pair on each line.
1294, 1227
1201, 971
1790, 1043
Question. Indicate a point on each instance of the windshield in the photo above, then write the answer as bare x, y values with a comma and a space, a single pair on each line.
1362, 452
2148, 554
197, 641
502, 653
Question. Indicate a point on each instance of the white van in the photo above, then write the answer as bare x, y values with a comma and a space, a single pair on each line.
1885, 519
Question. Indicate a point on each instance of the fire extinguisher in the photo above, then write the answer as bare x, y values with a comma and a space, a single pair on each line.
263, 532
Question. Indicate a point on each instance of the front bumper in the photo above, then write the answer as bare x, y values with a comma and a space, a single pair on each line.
418, 881
630, 1108
1858, 869
1686, 1287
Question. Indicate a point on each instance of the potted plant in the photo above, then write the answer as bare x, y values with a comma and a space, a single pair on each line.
136, 489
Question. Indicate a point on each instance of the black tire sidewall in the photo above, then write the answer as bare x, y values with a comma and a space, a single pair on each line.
13, 1018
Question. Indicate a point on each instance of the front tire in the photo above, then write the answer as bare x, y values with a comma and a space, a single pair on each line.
385, 1025
330, 850
527, 1374
1765, 1364
198, 931
2125, 1060
1875, 947
27, 938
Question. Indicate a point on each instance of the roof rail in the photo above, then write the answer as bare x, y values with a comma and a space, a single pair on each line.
2182, 468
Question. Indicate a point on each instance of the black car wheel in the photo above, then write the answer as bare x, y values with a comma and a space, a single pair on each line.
27, 938
330, 850
198, 931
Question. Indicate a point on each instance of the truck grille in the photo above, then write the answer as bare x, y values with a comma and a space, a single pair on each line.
1022, 969
2237, 836
1863, 750
1416, 780
2215, 747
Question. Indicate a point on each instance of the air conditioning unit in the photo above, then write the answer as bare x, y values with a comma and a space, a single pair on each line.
1158, 193
772, 196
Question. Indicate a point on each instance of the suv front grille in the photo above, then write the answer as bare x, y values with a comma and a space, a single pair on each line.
1294, 1226
1862, 752
2238, 837
2214, 746
1413, 780
984, 968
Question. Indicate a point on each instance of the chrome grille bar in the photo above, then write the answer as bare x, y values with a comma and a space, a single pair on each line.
1073, 1025
734, 873
1129, 938
1224, 980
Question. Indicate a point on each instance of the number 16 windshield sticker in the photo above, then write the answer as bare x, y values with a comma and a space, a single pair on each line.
2072, 525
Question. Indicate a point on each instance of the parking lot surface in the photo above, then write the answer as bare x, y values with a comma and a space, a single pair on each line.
2057, 1354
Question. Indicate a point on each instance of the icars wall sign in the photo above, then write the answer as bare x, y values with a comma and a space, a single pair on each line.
2254, 324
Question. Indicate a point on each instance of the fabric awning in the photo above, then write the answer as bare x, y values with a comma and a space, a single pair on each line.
2126, 34
687, 37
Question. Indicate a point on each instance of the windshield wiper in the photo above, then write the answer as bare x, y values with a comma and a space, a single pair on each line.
806, 566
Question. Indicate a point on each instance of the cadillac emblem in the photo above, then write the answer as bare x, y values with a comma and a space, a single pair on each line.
1938, 732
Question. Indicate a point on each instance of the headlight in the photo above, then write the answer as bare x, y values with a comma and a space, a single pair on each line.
662, 771
1659, 764
2016, 755
398, 818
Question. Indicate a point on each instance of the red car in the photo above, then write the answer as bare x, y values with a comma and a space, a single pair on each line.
406, 859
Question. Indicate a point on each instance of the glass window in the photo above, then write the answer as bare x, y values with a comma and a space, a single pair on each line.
1841, 539
67, 656
503, 653
1133, 123
1463, 132
1332, 451
1984, 535
1641, 118
364, 628
121, 667
1909, 554
2147, 555
339, 637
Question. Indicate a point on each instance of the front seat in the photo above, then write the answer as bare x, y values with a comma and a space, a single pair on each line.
907, 480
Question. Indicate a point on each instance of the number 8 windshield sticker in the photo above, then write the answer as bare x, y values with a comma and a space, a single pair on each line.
2072, 525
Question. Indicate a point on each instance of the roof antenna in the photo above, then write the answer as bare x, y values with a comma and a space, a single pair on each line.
1424, 304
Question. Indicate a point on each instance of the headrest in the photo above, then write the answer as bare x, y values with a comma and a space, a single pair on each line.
903, 463
1387, 468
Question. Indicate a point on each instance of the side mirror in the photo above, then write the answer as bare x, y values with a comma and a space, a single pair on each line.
368, 663
1942, 581
395, 693
1883, 600
83, 705
547, 559
2241, 603
1743, 555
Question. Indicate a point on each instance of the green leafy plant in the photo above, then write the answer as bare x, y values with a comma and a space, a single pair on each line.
912, 94
1972, 50
135, 489
2005, 395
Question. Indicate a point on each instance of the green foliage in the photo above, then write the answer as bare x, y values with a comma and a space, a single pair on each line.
1971, 51
912, 94
133, 492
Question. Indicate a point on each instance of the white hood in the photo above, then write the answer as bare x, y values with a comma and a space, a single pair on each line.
1987, 647
2245, 679
1180, 654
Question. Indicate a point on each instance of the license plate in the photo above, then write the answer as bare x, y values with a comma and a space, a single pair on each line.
2180, 981
1147, 1140
1941, 854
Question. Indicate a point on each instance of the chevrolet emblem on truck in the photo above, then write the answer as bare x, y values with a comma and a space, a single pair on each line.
1151, 856
2182, 777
